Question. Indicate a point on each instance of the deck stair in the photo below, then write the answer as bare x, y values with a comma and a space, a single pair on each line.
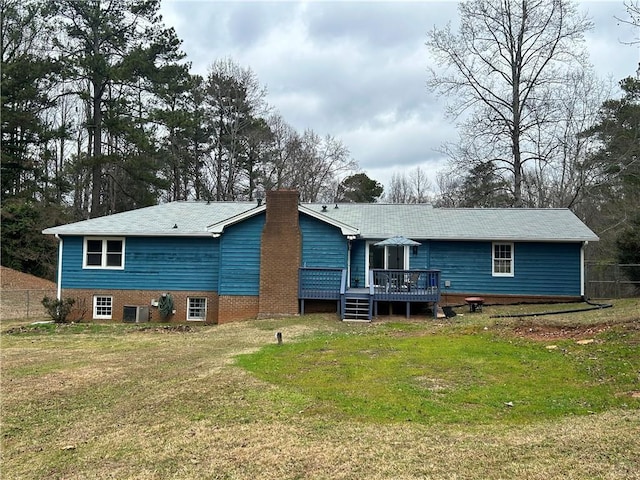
357, 307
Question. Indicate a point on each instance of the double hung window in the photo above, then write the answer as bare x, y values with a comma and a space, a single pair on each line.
103, 253
502, 260
102, 307
196, 308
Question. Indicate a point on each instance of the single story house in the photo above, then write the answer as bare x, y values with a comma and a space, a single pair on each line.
222, 261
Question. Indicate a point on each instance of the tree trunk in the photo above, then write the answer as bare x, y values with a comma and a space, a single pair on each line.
96, 164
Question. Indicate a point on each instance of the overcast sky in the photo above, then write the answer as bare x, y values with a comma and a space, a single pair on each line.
357, 70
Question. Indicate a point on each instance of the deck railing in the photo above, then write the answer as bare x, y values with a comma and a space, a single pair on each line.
321, 283
405, 285
329, 283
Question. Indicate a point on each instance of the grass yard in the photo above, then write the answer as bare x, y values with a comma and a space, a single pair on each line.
472, 397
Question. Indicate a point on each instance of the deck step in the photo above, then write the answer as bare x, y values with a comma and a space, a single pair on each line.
357, 308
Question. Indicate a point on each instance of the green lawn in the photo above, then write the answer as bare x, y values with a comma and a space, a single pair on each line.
471, 397
398, 372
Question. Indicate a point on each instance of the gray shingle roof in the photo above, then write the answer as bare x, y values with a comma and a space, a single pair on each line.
425, 222
192, 219
374, 221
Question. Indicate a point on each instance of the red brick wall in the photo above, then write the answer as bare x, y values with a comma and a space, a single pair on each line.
280, 255
83, 309
232, 308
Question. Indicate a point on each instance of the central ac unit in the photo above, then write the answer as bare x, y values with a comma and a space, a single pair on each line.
135, 314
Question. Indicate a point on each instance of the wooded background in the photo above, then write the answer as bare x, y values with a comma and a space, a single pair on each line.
100, 114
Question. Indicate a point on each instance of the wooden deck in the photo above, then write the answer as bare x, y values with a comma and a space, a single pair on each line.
406, 286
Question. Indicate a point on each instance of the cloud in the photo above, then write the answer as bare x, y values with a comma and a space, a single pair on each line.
357, 70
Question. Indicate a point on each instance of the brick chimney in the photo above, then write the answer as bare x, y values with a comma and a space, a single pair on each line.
280, 255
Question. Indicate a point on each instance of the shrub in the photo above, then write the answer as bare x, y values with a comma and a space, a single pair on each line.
58, 310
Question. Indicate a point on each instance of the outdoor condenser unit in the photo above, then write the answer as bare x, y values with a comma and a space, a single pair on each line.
135, 314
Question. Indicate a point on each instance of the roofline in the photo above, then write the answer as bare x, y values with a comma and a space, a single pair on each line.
491, 239
51, 231
347, 230
217, 228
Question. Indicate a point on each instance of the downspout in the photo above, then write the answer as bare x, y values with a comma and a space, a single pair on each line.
350, 239
349, 263
582, 273
59, 279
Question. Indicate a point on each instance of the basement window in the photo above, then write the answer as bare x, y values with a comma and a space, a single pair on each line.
502, 260
102, 307
105, 253
197, 309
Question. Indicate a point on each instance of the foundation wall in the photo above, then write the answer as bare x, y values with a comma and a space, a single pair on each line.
83, 308
234, 308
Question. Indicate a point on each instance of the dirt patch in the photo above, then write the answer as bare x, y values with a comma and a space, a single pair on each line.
13, 280
178, 328
552, 332
22, 329
58, 327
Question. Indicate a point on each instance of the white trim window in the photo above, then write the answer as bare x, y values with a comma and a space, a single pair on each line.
502, 259
107, 253
102, 307
196, 309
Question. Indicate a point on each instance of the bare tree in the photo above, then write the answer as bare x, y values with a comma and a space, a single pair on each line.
503, 68
420, 186
448, 186
633, 10
400, 189
319, 162
561, 176
411, 187
236, 99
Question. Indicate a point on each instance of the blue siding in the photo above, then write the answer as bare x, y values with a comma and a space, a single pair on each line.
550, 268
323, 245
358, 250
151, 263
539, 268
421, 259
240, 257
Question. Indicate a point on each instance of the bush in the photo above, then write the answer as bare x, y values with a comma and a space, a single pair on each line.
58, 310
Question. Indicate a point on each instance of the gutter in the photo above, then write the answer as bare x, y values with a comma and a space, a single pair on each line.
120, 233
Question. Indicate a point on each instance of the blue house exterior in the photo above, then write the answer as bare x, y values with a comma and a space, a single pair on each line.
215, 262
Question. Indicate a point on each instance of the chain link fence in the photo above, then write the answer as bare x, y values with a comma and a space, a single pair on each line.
23, 303
612, 280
